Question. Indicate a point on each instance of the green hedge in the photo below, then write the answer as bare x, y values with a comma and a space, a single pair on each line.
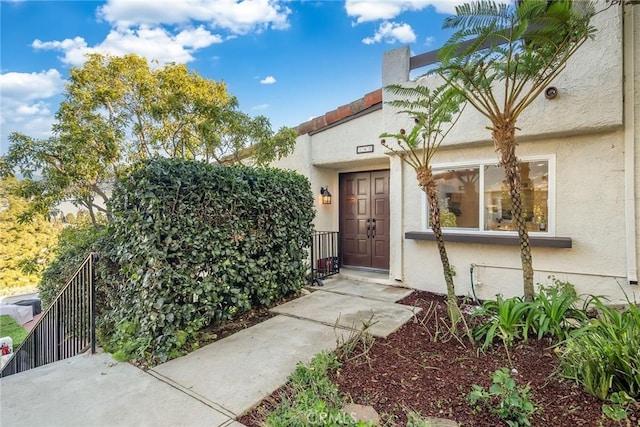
194, 243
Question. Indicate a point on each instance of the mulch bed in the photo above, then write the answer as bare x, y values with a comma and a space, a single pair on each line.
424, 369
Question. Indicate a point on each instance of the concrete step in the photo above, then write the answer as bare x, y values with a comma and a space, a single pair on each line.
368, 276
365, 289
348, 311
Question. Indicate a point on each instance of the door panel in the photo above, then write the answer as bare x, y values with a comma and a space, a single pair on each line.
380, 220
354, 214
364, 219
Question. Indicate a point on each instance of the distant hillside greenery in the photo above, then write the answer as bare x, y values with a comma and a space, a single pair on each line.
25, 249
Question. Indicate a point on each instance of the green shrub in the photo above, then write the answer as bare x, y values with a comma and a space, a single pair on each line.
502, 318
512, 403
74, 245
604, 355
192, 243
554, 312
313, 399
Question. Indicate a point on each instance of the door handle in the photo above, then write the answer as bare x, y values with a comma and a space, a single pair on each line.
368, 227
373, 228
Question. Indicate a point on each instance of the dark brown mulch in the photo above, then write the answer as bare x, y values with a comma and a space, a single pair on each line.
422, 368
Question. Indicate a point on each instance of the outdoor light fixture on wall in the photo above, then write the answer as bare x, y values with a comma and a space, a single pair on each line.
326, 196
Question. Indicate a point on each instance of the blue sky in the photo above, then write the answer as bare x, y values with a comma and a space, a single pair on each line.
287, 60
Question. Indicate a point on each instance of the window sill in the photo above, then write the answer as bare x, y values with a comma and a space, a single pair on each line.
492, 239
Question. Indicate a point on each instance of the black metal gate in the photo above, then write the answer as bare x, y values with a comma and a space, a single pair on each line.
325, 255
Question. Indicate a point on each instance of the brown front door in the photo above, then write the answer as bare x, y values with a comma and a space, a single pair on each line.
364, 219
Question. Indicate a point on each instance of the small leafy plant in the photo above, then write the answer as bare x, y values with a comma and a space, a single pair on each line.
511, 402
604, 355
313, 399
502, 318
554, 312
621, 404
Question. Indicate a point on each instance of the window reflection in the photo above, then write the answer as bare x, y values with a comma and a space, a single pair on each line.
534, 193
463, 207
459, 197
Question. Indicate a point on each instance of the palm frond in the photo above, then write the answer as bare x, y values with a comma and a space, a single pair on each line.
434, 112
478, 14
522, 47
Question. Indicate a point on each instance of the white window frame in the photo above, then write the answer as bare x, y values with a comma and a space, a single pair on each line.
551, 200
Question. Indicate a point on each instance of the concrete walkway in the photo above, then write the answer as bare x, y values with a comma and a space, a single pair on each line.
210, 386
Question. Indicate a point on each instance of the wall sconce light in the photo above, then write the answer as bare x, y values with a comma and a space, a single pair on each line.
326, 196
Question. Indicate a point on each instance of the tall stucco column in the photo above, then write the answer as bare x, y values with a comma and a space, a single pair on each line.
396, 226
395, 66
395, 69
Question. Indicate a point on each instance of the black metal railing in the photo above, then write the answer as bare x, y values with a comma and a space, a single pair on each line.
325, 255
66, 329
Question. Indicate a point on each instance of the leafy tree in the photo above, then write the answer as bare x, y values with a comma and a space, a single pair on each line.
25, 248
434, 112
74, 244
117, 110
501, 57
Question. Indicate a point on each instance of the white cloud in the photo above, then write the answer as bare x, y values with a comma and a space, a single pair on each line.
152, 43
391, 32
30, 86
197, 38
428, 42
260, 107
236, 16
269, 80
374, 10
74, 49
40, 108
26, 103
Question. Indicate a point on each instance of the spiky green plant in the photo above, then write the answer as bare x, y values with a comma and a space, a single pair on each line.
501, 57
435, 112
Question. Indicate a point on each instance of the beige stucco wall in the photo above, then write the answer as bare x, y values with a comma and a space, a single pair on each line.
583, 130
586, 131
323, 155
589, 206
590, 91
335, 147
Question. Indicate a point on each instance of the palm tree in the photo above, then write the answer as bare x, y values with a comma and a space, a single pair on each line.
501, 57
434, 113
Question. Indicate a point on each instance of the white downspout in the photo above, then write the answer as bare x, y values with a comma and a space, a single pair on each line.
629, 51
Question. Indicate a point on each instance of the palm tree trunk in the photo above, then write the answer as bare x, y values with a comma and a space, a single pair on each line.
428, 185
505, 140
